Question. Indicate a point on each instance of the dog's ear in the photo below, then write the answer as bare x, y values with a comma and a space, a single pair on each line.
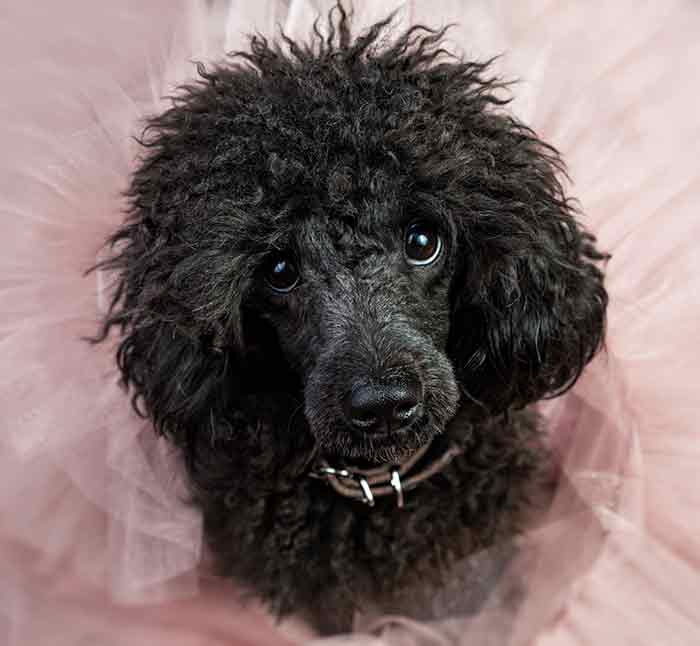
528, 301
177, 381
181, 268
177, 309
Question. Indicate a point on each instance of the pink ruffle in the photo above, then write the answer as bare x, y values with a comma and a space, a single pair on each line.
97, 542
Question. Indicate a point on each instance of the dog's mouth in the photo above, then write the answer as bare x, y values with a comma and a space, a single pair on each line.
365, 482
344, 446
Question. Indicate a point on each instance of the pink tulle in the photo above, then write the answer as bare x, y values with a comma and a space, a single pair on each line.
97, 542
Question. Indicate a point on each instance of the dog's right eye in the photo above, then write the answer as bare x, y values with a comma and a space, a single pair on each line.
423, 243
282, 275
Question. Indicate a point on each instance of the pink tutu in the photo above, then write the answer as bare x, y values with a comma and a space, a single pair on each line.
97, 543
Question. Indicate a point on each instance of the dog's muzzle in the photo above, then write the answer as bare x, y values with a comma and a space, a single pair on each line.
365, 485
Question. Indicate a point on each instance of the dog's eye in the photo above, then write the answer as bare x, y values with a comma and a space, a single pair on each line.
282, 275
423, 243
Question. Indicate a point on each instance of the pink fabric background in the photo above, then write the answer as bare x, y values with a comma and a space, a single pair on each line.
96, 546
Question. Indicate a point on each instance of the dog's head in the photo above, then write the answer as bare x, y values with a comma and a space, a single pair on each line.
362, 228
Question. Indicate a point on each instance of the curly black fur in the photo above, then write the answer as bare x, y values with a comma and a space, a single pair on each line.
325, 153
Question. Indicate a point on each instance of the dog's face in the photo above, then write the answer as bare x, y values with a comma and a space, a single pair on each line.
361, 311
363, 229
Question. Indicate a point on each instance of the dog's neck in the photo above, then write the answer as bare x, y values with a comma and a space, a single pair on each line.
269, 525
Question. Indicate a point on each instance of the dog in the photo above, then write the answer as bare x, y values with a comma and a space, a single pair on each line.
346, 274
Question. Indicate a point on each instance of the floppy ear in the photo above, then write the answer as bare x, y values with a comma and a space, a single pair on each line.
178, 314
529, 300
180, 277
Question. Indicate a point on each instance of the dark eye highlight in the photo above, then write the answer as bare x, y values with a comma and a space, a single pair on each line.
282, 274
423, 244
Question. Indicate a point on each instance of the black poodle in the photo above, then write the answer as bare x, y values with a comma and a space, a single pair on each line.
346, 273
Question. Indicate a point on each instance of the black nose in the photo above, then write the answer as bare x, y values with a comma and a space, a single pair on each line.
382, 408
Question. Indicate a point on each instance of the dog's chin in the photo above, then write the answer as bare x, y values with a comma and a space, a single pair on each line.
363, 450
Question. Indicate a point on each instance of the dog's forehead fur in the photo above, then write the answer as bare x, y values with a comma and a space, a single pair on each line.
329, 246
342, 135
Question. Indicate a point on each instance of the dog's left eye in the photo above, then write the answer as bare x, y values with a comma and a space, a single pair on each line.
282, 275
423, 243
